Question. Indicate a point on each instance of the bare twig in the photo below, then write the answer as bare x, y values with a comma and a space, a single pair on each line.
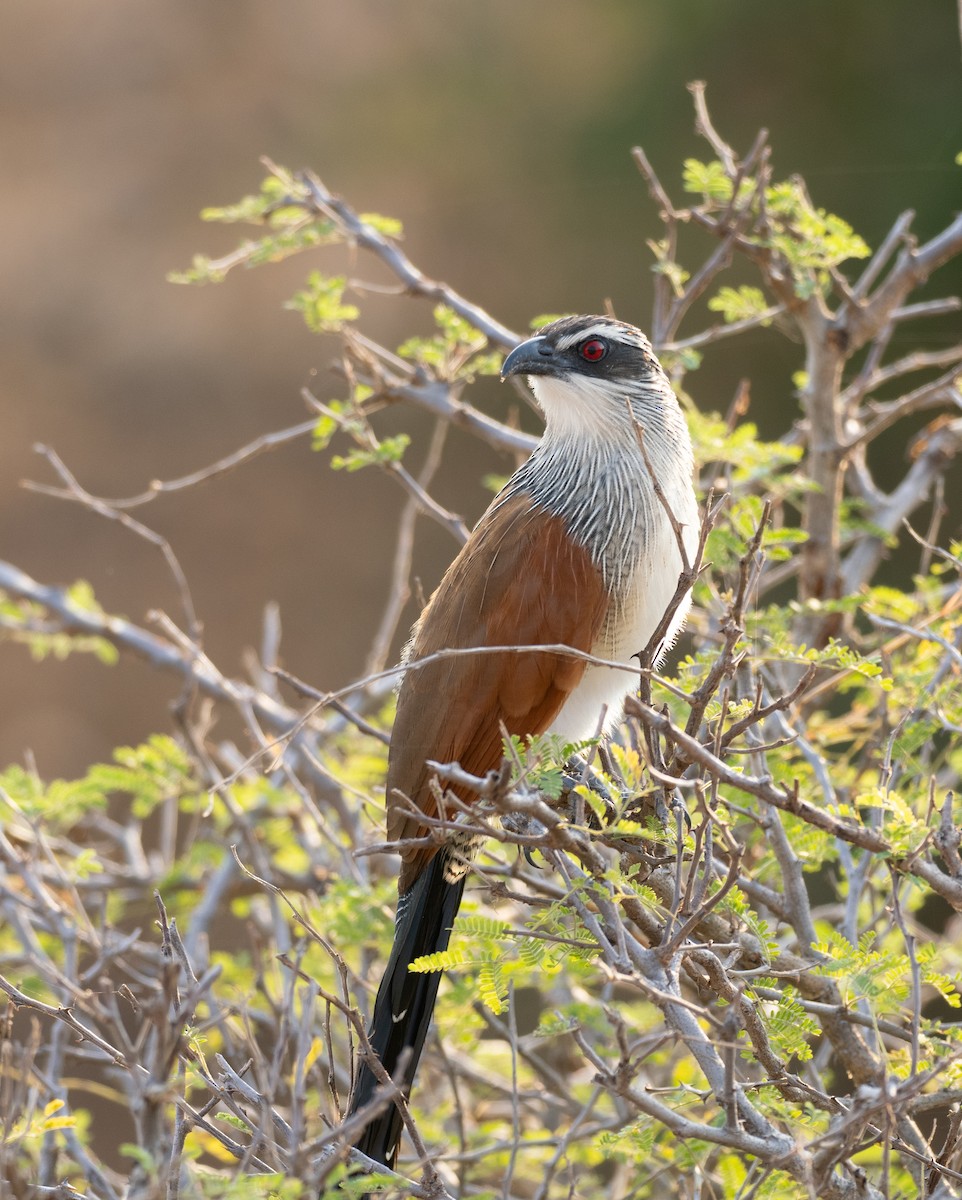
327, 204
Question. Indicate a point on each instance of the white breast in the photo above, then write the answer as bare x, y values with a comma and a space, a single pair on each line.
590, 469
631, 623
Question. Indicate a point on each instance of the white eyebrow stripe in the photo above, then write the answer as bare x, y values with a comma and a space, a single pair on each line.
614, 332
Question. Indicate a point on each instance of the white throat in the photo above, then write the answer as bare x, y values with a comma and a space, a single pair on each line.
577, 407
590, 469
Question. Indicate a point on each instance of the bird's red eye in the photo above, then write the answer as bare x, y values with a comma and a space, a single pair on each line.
593, 350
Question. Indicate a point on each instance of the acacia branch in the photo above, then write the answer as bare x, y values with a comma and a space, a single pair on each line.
918, 360
938, 451
414, 487
326, 204
789, 801
163, 487
441, 400
190, 664
861, 322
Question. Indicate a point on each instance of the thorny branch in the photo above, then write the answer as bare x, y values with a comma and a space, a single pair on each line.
700, 944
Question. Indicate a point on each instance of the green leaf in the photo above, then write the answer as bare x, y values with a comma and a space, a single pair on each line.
278, 199
478, 926
389, 227
329, 423
442, 960
27, 623
707, 179
494, 483
781, 544
140, 1155
360, 1186
544, 759
491, 987
388, 450
678, 362
635, 1141
810, 238
555, 1025
455, 351
284, 208
738, 304
676, 274
864, 972
789, 1027
321, 303
948, 987
201, 270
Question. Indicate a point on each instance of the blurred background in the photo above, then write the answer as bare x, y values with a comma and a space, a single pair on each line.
498, 132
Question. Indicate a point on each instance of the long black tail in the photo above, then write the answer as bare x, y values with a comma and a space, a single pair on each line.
405, 1001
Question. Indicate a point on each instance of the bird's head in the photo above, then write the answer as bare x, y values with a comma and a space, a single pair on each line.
582, 371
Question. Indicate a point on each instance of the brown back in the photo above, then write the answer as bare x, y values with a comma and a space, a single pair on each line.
519, 580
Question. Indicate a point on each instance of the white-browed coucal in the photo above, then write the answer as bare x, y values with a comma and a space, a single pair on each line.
576, 549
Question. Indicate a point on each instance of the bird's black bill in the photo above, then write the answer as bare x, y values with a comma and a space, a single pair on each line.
533, 357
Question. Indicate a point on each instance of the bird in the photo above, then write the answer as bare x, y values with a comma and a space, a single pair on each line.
577, 550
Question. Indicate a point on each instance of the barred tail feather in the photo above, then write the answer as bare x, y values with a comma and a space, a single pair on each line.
405, 1001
